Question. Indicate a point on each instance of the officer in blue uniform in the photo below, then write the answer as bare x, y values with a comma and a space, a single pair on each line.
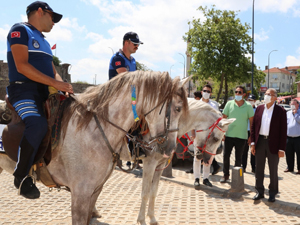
31, 71
122, 61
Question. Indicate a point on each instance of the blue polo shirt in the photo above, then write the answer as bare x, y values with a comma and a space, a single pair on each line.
119, 60
39, 50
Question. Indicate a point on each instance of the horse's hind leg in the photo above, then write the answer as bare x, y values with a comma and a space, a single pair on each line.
153, 193
148, 171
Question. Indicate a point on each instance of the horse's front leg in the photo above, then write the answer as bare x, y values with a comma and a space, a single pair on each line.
149, 164
153, 192
93, 210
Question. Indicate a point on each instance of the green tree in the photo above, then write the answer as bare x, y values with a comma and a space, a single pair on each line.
218, 46
56, 61
141, 66
294, 85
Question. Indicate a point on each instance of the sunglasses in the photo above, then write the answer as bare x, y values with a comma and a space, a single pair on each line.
50, 13
238, 92
206, 91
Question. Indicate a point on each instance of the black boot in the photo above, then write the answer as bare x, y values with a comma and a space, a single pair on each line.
28, 188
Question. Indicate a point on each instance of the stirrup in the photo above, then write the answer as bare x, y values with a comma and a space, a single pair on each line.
34, 181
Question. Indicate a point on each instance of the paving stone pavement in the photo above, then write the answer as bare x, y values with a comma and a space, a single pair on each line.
178, 203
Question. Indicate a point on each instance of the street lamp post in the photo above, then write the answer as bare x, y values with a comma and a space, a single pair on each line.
252, 48
171, 69
183, 64
111, 50
269, 67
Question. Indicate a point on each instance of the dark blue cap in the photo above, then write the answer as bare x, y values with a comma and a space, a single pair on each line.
44, 6
133, 37
252, 97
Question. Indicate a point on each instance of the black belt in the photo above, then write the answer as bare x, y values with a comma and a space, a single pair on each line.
264, 137
293, 137
20, 82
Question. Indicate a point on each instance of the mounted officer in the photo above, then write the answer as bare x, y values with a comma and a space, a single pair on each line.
31, 72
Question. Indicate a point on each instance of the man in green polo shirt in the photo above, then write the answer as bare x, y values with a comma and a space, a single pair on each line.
236, 135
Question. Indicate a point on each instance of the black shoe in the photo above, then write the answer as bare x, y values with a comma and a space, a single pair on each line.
28, 188
190, 171
258, 196
224, 179
207, 182
197, 184
271, 198
216, 170
253, 170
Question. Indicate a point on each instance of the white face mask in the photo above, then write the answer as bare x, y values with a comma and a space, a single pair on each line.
205, 95
251, 102
267, 99
293, 107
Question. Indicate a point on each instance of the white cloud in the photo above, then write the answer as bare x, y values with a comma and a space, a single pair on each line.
275, 5
292, 61
3, 34
262, 35
71, 23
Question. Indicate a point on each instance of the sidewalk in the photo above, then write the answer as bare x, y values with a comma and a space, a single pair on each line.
289, 183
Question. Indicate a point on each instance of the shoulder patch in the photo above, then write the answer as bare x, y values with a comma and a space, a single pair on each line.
15, 34
35, 44
118, 63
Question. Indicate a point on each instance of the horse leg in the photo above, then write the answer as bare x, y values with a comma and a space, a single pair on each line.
149, 165
94, 212
153, 193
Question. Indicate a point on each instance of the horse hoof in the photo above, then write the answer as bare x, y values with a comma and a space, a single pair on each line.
96, 215
155, 223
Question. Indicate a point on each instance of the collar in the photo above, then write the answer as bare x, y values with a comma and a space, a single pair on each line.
121, 52
272, 107
204, 101
32, 27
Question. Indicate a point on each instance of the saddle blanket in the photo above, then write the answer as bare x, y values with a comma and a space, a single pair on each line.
1, 145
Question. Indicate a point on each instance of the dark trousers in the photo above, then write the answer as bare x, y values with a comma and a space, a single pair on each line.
28, 99
262, 152
215, 164
292, 147
245, 156
239, 145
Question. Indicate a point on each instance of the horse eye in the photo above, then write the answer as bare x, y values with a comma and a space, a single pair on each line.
178, 109
216, 139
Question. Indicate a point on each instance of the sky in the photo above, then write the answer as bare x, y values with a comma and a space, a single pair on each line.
91, 30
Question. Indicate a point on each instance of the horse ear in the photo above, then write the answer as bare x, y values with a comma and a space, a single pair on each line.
224, 122
184, 80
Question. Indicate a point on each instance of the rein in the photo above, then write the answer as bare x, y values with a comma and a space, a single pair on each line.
212, 127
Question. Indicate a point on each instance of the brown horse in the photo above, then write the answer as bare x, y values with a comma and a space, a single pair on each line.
82, 160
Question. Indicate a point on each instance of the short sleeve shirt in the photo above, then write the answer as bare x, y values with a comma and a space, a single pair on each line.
119, 60
238, 129
39, 50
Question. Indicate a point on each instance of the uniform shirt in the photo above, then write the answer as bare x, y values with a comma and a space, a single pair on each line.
238, 129
293, 123
39, 51
119, 60
266, 120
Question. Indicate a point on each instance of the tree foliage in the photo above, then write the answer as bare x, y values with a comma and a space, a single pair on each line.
219, 46
56, 61
141, 66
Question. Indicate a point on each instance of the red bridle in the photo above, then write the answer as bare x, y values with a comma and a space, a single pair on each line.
203, 149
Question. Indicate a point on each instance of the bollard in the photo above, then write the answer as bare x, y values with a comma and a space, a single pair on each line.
168, 171
237, 182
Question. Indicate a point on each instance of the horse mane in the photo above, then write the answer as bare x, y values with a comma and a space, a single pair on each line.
157, 86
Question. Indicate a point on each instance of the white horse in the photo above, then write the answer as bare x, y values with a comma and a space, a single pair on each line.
82, 160
201, 117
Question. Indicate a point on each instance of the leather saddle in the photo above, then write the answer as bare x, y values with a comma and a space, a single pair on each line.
13, 132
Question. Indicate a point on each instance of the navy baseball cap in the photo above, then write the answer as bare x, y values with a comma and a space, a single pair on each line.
133, 37
252, 97
44, 6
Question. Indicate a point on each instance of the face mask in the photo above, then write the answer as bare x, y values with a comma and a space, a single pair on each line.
252, 103
205, 95
238, 97
267, 99
293, 107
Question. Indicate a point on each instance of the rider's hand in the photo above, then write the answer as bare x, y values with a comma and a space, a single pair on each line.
63, 86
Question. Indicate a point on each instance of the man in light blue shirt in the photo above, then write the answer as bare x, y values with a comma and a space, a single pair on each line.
293, 137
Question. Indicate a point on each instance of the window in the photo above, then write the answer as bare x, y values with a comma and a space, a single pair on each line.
274, 76
274, 85
282, 85
283, 76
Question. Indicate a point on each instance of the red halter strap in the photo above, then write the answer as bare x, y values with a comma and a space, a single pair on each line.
212, 127
185, 148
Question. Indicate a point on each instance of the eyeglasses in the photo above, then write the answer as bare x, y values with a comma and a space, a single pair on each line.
238, 92
269, 95
50, 13
206, 91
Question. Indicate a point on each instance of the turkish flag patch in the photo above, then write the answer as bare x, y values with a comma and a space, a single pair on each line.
118, 63
15, 34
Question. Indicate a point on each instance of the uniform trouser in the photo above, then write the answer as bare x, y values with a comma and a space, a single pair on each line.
262, 152
27, 99
245, 156
197, 169
292, 147
239, 145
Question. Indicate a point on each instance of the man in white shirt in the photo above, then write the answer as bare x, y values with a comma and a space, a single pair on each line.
206, 93
268, 140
